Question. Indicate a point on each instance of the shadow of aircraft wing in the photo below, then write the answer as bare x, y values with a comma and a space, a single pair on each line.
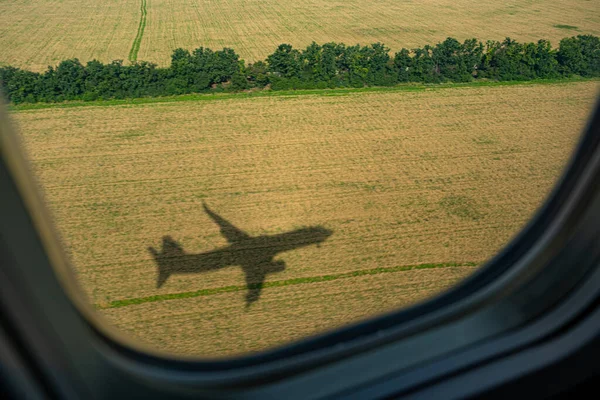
255, 274
228, 230
254, 284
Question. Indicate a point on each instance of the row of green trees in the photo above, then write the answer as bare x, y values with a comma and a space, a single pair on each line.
318, 66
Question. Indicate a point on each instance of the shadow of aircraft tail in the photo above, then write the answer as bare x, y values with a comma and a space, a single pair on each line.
170, 251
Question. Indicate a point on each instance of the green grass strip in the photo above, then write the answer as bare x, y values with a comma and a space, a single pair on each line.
405, 87
133, 53
287, 282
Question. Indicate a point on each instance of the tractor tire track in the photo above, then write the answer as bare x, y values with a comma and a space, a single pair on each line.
135, 48
287, 282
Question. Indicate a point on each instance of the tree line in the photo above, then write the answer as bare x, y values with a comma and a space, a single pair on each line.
330, 65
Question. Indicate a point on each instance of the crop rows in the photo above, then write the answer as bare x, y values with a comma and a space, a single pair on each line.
401, 178
34, 35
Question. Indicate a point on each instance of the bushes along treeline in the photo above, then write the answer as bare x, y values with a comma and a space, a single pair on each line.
318, 66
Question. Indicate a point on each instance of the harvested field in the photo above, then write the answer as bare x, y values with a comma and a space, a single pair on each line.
36, 34
401, 178
254, 28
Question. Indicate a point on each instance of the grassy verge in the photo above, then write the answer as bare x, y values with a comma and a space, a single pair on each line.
410, 87
135, 48
287, 282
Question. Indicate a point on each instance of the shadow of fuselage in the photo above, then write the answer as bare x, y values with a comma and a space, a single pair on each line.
255, 255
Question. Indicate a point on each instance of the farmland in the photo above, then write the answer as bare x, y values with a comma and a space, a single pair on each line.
46, 32
418, 187
35, 34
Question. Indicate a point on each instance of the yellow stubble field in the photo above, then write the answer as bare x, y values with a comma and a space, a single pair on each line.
255, 28
35, 34
442, 176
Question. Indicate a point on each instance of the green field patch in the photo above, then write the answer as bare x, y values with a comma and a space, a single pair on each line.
130, 135
461, 206
410, 87
567, 27
483, 140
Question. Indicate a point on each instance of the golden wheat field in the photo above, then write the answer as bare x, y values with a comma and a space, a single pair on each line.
35, 34
440, 176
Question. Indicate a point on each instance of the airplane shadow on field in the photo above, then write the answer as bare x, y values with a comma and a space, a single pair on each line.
253, 254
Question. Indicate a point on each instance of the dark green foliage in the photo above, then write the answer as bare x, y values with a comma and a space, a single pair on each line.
546, 64
446, 61
316, 67
403, 65
580, 55
457, 62
239, 81
19, 85
422, 68
258, 74
204, 68
569, 27
285, 62
508, 60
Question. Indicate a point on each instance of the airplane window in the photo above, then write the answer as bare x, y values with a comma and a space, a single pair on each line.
247, 174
